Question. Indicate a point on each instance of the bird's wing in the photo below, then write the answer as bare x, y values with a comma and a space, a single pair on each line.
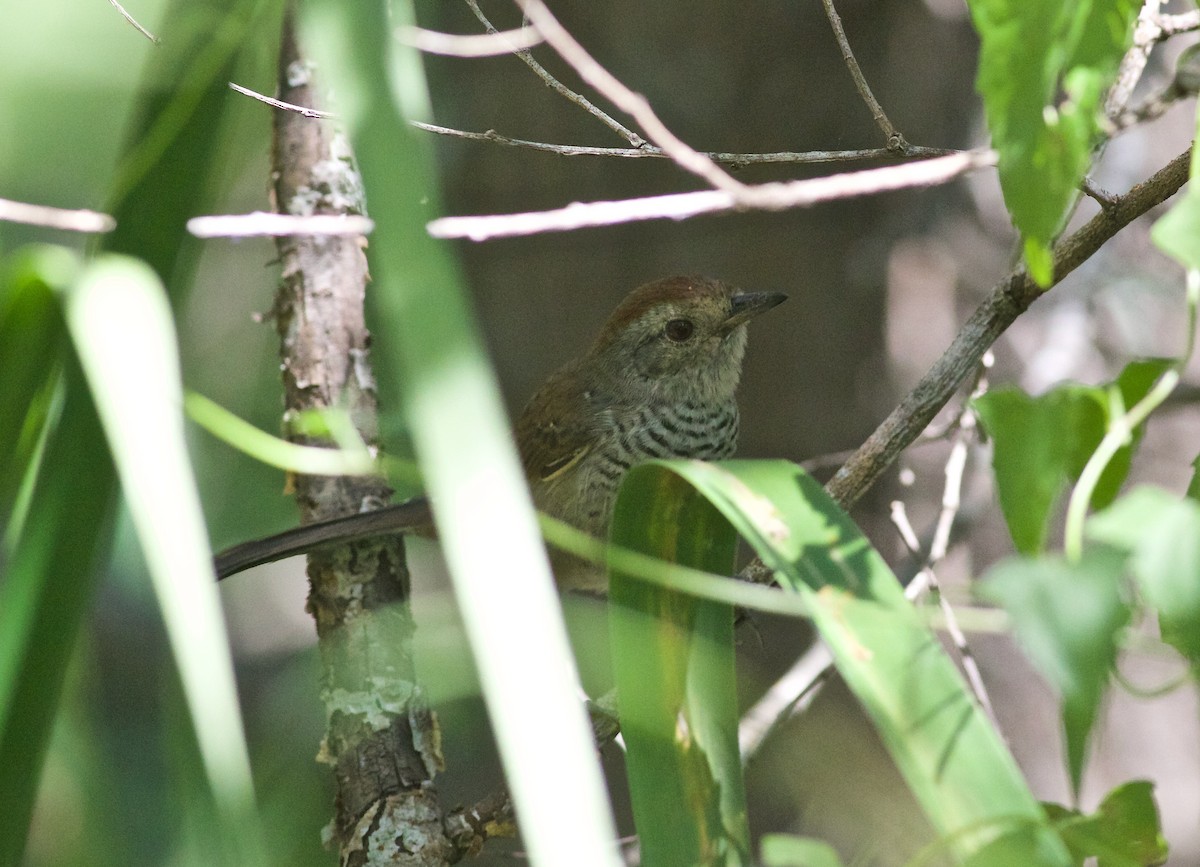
556, 428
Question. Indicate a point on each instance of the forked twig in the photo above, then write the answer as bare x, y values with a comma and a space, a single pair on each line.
633, 104
894, 139
562, 90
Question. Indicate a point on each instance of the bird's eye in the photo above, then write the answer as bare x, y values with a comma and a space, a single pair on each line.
679, 330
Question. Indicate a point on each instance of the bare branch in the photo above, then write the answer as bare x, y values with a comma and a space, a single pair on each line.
731, 159
1008, 300
138, 27
278, 103
678, 206
951, 501
264, 224
562, 90
894, 139
476, 45
633, 104
55, 218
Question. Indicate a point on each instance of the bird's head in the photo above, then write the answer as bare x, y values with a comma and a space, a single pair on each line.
680, 338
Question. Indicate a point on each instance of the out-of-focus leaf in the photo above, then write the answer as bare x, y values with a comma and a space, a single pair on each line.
47, 579
1125, 831
673, 657
783, 850
1066, 617
31, 345
947, 751
1030, 53
462, 439
1162, 533
1177, 232
1193, 490
120, 323
45, 593
1041, 445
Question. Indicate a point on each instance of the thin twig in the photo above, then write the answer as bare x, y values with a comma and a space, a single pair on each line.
278, 103
1145, 35
55, 218
140, 29
678, 206
490, 44
1007, 300
261, 224
562, 90
633, 104
792, 694
730, 159
894, 139
951, 501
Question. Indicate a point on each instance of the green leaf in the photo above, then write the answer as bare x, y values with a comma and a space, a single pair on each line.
784, 850
1162, 533
1029, 53
451, 402
1125, 831
1177, 232
121, 325
48, 580
31, 345
949, 754
1066, 617
673, 657
1041, 445
1193, 490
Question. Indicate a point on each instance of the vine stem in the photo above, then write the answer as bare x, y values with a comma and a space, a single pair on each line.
1120, 430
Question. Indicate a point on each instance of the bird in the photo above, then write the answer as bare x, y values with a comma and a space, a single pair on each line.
659, 381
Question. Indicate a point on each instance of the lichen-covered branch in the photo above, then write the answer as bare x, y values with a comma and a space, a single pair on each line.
381, 739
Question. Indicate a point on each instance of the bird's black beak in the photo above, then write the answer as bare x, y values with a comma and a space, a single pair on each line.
746, 305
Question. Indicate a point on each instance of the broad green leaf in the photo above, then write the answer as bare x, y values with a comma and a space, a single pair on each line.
120, 322
1162, 533
1066, 617
1041, 445
461, 436
1125, 830
1029, 53
673, 657
784, 850
949, 754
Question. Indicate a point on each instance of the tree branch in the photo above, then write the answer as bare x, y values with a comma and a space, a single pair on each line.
1008, 299
381, 738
